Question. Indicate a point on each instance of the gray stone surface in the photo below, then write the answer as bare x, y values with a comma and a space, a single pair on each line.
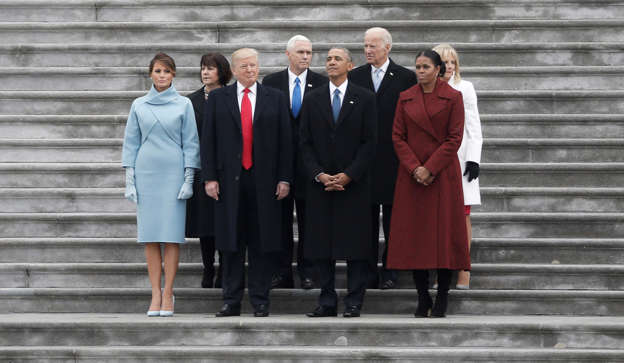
61, 175
554, 125
552, 174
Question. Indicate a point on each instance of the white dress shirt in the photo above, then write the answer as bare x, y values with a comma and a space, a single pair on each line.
291, 83
252, 96
383, 68
342, 88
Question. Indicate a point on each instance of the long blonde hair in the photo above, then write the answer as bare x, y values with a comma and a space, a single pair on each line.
445, 50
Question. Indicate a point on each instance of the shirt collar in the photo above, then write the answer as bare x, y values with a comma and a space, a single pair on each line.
384, 67
302, 77
342, 88
240, 88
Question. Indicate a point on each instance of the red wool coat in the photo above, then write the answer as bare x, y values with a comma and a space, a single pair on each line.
428, 227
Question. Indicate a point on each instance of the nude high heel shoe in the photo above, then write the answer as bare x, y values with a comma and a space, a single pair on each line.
168, 313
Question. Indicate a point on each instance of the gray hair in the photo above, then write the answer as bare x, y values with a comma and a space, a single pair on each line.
383, 33
297, 38
347, 52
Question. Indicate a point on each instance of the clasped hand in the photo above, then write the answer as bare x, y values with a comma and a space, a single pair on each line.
423, 176
334, 183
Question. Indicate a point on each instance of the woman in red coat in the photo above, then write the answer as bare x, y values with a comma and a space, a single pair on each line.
428, 228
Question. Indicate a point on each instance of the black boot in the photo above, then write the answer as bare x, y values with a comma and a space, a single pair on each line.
441, 303
421, 278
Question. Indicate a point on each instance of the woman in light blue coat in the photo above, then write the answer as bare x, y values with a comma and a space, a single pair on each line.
160, 153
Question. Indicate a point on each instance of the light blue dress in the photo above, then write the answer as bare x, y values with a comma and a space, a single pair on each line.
160, 141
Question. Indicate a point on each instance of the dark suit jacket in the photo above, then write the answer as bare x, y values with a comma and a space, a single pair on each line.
221, 152
396, 80
279, 80
338, 222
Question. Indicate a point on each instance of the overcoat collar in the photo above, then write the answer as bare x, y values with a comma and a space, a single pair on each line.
388, 77
416, 105
348, 103
233, 100
154, 97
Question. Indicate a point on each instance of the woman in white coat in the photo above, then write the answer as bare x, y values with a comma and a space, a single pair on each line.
469, 152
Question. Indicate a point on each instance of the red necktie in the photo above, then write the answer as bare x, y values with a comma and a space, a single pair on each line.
247, 128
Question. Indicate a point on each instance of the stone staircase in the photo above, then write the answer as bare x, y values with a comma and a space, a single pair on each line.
548, 252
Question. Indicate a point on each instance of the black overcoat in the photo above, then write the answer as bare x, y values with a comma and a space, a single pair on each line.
396, 80
221, 151
338, 223
279, 80
200, 208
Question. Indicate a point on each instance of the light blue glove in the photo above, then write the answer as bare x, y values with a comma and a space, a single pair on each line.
187, 188
130, 193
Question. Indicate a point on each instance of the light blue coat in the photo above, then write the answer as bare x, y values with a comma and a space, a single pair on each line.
160, 141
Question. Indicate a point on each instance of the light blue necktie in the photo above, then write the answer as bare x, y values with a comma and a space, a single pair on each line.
296, 98
336, 105
377, 78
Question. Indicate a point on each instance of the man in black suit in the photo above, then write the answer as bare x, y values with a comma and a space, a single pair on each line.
295, 81
387, 79
246, 152
337, 143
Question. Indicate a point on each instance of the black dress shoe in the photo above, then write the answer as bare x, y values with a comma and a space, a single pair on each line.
280, 282
351, 312
307, 284
388, 284
261, 311
228, 310
322, 311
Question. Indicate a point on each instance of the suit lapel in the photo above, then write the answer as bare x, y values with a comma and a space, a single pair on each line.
348, 103
388, 78
422, 119
233, 99
260, 96
325, 106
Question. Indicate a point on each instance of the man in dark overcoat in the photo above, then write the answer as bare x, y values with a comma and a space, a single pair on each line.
387, 79
337, 142
295, 82
246, 152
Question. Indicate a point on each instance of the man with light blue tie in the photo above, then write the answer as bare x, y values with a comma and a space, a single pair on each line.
337, 137
295, 81
387, 79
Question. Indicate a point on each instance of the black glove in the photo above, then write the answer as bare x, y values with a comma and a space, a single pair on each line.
472, 170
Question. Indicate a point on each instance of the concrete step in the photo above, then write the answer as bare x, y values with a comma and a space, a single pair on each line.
71, 126
483, 276
79, 11
135, 78
61, 175
548, 250
297, 301
64, 200
595, 225
553, 125
552, 150
565, 333
187, 54
62, 126
555, 199
496, 102
594, 175
253, 31
60, 150
494, 150
324, 354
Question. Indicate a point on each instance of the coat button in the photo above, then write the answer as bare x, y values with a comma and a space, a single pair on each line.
238, 156
236, 178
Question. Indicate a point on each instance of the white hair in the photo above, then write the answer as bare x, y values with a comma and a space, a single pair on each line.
297, 38
243, 53
383, 33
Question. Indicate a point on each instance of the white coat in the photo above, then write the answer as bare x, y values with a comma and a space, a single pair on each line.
470, 149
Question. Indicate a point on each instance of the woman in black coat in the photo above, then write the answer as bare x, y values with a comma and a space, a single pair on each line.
215, 73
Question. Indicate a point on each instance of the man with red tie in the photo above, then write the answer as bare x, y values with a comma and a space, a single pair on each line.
246, 152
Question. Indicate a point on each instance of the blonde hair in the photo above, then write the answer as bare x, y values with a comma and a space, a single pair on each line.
445, 50
243, 53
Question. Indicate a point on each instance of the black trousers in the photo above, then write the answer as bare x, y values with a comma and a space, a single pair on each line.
373, 280
305, 267
260, 267
356, 283
207, 245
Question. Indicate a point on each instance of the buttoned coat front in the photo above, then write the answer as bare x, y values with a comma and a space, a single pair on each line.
221, 151
428, 227
338, 222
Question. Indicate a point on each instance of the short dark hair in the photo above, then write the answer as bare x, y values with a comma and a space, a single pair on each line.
164, 59
222, 65
435, 58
